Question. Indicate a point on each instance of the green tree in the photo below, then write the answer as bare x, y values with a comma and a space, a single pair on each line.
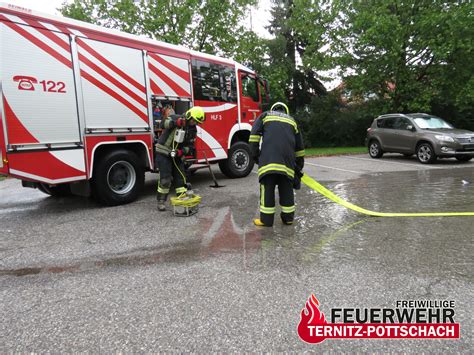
291, 80
410, 52
211, 26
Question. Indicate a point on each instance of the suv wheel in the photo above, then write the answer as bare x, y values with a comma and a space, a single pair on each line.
425, 153
375, 150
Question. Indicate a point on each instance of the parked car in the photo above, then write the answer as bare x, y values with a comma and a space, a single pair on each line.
427, 136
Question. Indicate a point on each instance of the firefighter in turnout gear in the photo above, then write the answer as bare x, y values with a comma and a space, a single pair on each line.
280, 160
175, 142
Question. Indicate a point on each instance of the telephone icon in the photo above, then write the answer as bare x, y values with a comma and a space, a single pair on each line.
25, 82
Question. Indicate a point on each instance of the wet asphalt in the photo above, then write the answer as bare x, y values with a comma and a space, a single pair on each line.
75, 276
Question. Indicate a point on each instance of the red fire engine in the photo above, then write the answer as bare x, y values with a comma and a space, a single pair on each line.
77, 104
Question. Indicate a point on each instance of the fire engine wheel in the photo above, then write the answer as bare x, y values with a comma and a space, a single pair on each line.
118, 178
239, 162
61, 190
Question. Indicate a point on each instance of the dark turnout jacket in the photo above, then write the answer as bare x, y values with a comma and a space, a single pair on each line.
166, 139
282, 150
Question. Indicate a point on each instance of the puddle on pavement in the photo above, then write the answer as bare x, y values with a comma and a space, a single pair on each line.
321, 226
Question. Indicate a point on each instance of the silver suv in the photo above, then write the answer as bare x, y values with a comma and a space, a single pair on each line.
427, 136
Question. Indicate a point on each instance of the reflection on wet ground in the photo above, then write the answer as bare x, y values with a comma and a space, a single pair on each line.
218, 235
322, 229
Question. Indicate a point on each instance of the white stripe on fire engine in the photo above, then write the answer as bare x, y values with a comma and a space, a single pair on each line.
54, 28
50, 26
15, 19
183, 84
112, 74
17, 30
97, 49
77, 32
36, 33
43, 179
212, 143
140, 106
224, 107
177, 62
162, 85
74, 158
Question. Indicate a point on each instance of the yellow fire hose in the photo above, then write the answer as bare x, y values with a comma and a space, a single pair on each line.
186, 201
316, 186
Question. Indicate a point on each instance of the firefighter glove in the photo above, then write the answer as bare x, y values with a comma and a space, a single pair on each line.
297, 179
296, 183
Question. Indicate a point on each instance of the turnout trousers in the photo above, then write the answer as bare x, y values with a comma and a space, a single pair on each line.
171, 171
267, 198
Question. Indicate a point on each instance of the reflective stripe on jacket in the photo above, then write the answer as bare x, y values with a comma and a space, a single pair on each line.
282, 149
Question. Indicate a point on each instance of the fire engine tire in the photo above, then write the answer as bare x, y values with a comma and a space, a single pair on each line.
118, 178
61, 190
239, 162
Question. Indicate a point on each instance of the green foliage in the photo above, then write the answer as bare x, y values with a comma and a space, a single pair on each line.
217, 25
406, 51
251, 50
211, 26
291, 81
326, 122
392, 55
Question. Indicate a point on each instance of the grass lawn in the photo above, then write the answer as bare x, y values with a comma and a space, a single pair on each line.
334, 151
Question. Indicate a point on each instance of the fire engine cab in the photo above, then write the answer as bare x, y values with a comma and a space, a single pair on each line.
77, 104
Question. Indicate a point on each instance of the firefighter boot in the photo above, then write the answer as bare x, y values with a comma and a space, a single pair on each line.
259, 223
161, 198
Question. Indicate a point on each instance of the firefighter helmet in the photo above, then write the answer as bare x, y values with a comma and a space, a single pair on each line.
280, 104
197, 113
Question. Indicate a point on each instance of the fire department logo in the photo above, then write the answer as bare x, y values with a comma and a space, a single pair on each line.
409, 319
310, 317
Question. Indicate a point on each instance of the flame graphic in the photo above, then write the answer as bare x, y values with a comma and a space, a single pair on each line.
310, 315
